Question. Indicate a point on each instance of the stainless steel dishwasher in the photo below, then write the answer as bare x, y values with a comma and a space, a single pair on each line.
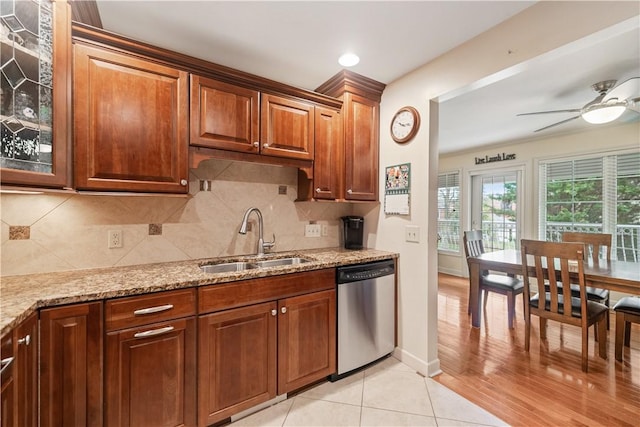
366, 314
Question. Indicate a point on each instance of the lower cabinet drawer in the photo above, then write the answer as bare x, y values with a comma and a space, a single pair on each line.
150, 308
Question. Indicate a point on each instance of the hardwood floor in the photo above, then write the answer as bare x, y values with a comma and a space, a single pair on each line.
546, 386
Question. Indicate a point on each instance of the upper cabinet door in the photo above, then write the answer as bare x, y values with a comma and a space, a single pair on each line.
361, 118
130, 122
286, 128
34, 111
224, 116
328, 154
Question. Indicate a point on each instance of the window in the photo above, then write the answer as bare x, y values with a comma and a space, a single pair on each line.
449, 211
598, 195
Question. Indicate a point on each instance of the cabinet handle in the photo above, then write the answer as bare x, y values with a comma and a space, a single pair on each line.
283, 310
318, 190
184, 182
153, 332
256, 144
349, 191
274, 312
152, 310
26, 340
265, 145
5, 364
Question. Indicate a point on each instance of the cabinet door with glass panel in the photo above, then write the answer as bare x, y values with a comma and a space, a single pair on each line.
35, 43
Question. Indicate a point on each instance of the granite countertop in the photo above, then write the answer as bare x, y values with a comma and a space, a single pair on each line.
22, 295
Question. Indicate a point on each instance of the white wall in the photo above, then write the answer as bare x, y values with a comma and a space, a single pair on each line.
538, 29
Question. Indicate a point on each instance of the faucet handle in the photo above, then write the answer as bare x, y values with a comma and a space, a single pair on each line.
271, 244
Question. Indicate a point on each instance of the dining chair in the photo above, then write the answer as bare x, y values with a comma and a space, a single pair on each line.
627, 311
594, 243
556, 262
490, 282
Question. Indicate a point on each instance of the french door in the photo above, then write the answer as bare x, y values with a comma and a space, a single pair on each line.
495, 209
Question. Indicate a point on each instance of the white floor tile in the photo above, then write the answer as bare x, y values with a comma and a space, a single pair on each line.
388, 394
396, 390
311, 412
267, 417
382, 418
347, 390
451, 406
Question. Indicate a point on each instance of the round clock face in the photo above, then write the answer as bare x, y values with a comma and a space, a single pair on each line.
405, 124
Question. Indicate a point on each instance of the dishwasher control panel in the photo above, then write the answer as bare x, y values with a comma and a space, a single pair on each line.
354, 273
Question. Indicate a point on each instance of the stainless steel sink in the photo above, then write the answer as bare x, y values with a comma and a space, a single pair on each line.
227, 267
280, 261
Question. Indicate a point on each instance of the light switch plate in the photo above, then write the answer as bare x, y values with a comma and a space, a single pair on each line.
412, 233
312, 230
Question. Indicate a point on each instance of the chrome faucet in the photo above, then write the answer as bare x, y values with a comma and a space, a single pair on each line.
262, 245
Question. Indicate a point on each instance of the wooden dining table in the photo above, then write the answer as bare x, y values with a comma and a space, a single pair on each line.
621, 276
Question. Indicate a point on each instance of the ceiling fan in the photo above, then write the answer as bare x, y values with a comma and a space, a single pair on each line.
610, 103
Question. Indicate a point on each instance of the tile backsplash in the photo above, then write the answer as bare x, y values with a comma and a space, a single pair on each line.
70, 231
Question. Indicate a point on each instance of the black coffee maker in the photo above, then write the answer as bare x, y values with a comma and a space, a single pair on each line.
353, 227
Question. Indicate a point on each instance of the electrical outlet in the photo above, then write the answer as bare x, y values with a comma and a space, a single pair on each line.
312, 230
412, 233
114, 239
325, 230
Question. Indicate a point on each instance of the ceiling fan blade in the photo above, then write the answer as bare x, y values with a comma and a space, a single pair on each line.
558, 123
628, 89
572, 110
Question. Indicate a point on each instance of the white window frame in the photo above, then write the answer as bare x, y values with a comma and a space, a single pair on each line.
457, 172
609, 210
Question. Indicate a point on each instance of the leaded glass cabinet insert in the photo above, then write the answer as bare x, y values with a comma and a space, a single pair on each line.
27, 85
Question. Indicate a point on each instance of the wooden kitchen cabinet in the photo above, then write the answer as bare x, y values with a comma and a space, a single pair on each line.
19, 350
286, 128
35, 110
328, 154
26, 371
150, 365
306, 339
263, 337
358, 156
71, 353
237, 363
224, 116
7, 382
130, 122
361, 146
229, 117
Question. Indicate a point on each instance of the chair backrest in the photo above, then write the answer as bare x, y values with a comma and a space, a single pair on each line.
553, 262
473, 243
594, 243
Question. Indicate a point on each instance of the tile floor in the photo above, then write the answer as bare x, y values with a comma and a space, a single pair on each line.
386, 394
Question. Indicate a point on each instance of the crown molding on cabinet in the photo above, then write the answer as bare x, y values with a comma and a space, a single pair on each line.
201, 67
86, 11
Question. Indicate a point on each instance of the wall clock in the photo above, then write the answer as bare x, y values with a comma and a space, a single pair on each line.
405, 124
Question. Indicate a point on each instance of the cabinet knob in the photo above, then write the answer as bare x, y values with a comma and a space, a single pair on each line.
256, 144
184, 182
26, 340
318, 190
274, 312
283, 310
349, 191
265, 145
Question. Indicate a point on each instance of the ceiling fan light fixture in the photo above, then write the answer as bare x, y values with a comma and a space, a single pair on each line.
598, 114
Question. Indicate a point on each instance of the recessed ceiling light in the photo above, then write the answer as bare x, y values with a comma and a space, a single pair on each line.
348, 60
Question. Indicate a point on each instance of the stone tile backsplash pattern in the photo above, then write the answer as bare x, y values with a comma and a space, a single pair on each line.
69, 231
